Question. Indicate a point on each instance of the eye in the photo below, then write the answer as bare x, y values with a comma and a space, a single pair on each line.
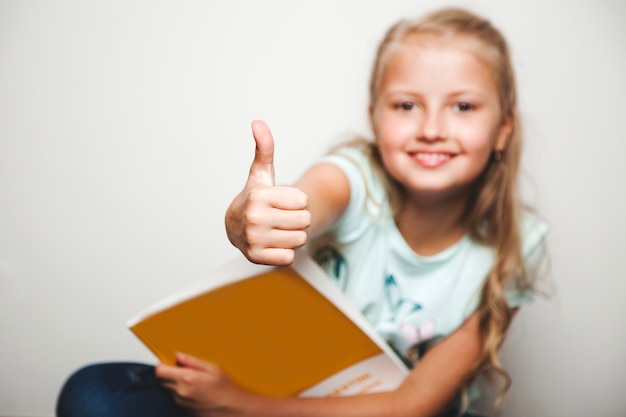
464, 106
405, 105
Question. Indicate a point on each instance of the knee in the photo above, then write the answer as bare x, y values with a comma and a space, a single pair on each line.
91, 391
77, 394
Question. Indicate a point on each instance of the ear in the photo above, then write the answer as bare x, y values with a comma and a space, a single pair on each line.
504, 134
370, 112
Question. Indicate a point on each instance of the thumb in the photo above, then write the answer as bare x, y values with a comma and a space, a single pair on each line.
262, 169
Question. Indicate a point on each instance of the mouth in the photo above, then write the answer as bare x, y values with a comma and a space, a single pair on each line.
432, 159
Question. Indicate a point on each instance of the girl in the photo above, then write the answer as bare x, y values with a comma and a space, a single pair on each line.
421, 227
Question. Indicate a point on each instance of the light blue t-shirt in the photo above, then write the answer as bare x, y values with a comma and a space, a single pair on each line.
411, 300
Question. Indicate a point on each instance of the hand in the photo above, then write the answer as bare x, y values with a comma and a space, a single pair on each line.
201, 387
265, 222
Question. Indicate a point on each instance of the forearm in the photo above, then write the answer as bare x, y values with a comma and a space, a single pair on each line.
429, 389
397, 403
328, 192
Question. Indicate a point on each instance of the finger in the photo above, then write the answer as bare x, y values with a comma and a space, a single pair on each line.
168, 384
280, 198
167, 373
287, 198
258, 242
287, 239
188, 361
292, 220
284, 220
272, 256
262, 169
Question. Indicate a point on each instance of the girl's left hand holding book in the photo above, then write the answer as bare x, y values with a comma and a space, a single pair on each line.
202, 387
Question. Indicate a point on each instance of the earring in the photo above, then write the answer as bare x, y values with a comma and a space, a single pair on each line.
497, 155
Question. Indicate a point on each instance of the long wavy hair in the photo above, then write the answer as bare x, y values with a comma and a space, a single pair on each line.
491, 212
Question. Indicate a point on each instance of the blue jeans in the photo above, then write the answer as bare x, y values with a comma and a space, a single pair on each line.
116, 390
120, 390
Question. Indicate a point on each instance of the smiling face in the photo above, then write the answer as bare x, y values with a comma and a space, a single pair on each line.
436, 116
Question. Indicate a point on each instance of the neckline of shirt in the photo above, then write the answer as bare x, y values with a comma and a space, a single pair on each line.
403, 248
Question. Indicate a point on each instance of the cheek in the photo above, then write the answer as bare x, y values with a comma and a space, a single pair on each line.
390, 137
477, 140
392, 131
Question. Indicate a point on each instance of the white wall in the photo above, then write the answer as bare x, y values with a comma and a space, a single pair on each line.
124, 133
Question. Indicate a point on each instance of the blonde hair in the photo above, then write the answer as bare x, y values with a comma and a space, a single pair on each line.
491, 212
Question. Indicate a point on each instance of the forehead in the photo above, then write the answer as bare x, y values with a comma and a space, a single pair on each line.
469, 44
444, 59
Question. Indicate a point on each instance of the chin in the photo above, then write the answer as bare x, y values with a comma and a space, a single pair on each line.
436, 190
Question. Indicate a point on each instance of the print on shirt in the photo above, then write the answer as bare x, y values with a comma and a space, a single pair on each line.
333, 262
415, 334
402, 307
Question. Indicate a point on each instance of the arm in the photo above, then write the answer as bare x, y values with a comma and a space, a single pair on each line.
267, 222
427, 391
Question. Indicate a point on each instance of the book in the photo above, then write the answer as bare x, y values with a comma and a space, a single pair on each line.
278, 331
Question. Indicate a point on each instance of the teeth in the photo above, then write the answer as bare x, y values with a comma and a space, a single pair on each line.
432, 156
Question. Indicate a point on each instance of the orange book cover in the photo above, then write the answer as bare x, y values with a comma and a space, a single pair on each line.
279, 331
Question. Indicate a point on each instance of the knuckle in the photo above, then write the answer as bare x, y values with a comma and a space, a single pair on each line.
182, 393
188, 379
258, 256
252, 217
253, 256
253, 240
256, 195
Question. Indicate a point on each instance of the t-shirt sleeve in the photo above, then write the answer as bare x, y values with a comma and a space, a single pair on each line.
364, 193
534, 231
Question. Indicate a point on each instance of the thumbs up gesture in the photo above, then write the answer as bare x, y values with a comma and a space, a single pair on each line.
267, 222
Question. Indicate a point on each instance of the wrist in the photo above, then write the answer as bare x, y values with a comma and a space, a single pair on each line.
248, 404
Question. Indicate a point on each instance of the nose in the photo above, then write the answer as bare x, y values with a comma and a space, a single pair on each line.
431, 127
